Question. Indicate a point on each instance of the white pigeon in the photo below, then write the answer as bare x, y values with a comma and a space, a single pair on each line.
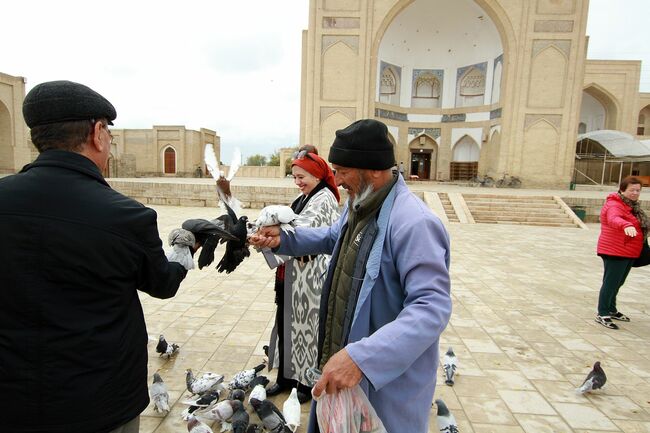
446, 420
207, 382
223, 182
596, 379
242, 379
221, 411
181, 241
196, 426
258, 392
274, 215
450, 365
159, 394
291, 410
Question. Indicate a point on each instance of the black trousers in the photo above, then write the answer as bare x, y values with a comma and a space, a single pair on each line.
616, 271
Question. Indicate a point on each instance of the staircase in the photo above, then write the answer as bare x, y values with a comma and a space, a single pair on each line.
527, 210
449, 209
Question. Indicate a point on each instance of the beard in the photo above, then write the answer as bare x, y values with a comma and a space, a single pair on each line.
365, 190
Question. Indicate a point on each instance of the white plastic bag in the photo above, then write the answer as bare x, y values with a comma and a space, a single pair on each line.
347, 411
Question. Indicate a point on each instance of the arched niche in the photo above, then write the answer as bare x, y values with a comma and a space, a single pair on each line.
335, 121
496, 81
390, 84
643, 126
6, 141
433, 34
339, 72
546, 87
423, 162
594, 95
427, 90
169, 160
540, 150
471, 86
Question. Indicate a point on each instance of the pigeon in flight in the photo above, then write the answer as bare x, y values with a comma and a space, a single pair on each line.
243, 379
159, 394
595, 379
209, 234
450, 365
204, 400
270, 416
223, 182
446, 420
200, 385
291, 410
165, 349
240, 418
196, 426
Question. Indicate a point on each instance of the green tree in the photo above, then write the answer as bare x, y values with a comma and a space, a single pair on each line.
256, 160
275, 159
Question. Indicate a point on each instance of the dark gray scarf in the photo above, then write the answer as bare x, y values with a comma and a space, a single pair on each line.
638, 213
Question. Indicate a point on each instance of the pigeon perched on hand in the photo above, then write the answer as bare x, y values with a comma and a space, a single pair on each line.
291, 410
159, 394
595, 379
273, 215
243, 379
207, 382
446, 420
165, 349
182, 242
270, 416
450, 365
196, 426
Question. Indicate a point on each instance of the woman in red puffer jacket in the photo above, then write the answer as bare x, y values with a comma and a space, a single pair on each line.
623, 230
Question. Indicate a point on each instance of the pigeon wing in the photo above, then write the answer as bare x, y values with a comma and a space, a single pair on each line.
235, 163
211, 161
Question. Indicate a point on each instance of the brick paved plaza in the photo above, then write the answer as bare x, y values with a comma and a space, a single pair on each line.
522, 327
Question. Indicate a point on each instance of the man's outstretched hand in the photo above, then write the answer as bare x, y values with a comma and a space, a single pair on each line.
339, 373
266, 237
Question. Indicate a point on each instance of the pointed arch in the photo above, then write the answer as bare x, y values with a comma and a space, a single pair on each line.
6, 140
643, 125
542, 91
339, 72
608, 101
466, 149
169, 155
333, 122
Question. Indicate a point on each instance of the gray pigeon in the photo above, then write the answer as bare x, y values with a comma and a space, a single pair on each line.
449, 365
446, 420
595, 379
203, 384
237, 394
221, 411
240, 418
255, 428
182, 242
201, 401
165, 349
159, 394
243, 379
270, 416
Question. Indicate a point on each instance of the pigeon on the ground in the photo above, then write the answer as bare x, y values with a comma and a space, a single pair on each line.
255, 428
196, 426
182, 242
446, 420
291, 410
258, 392
237, 394
595, 379
159, 394
165, 349
221, 411
273, 215
207, 382
243, 379
259, 380
270, 416
450, 365
200, 401
240, 418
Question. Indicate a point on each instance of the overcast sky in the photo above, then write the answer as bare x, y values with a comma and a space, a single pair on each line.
230, 66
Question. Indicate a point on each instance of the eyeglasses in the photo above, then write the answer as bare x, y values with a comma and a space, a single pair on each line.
105, 126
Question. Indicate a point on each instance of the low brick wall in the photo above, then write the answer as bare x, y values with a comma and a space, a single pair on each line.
593, 206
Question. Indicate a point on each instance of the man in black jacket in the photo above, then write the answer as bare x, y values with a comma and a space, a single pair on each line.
73, 254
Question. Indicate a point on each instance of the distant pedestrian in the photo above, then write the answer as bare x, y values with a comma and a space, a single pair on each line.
401, 169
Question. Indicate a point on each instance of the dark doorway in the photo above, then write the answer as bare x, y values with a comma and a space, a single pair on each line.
421, 164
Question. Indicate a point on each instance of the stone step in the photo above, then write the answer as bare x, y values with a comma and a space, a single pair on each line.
540, 219
507, 197
522, 207
508, 215
538, 224
510, 202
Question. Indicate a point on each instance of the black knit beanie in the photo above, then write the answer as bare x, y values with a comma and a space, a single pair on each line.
364, 144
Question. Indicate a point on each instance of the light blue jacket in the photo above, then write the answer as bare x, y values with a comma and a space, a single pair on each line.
403, 306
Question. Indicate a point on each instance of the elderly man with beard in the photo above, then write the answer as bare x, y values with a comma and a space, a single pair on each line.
386, 298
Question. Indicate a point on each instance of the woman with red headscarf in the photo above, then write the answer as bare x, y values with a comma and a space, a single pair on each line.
293, 347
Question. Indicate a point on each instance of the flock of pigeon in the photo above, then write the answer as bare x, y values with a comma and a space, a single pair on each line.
205, 403
447, 422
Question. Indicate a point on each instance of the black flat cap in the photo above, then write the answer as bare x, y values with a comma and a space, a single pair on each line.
64, 101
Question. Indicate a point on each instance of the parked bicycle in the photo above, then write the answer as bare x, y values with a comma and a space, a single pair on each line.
485, 181
508, 182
